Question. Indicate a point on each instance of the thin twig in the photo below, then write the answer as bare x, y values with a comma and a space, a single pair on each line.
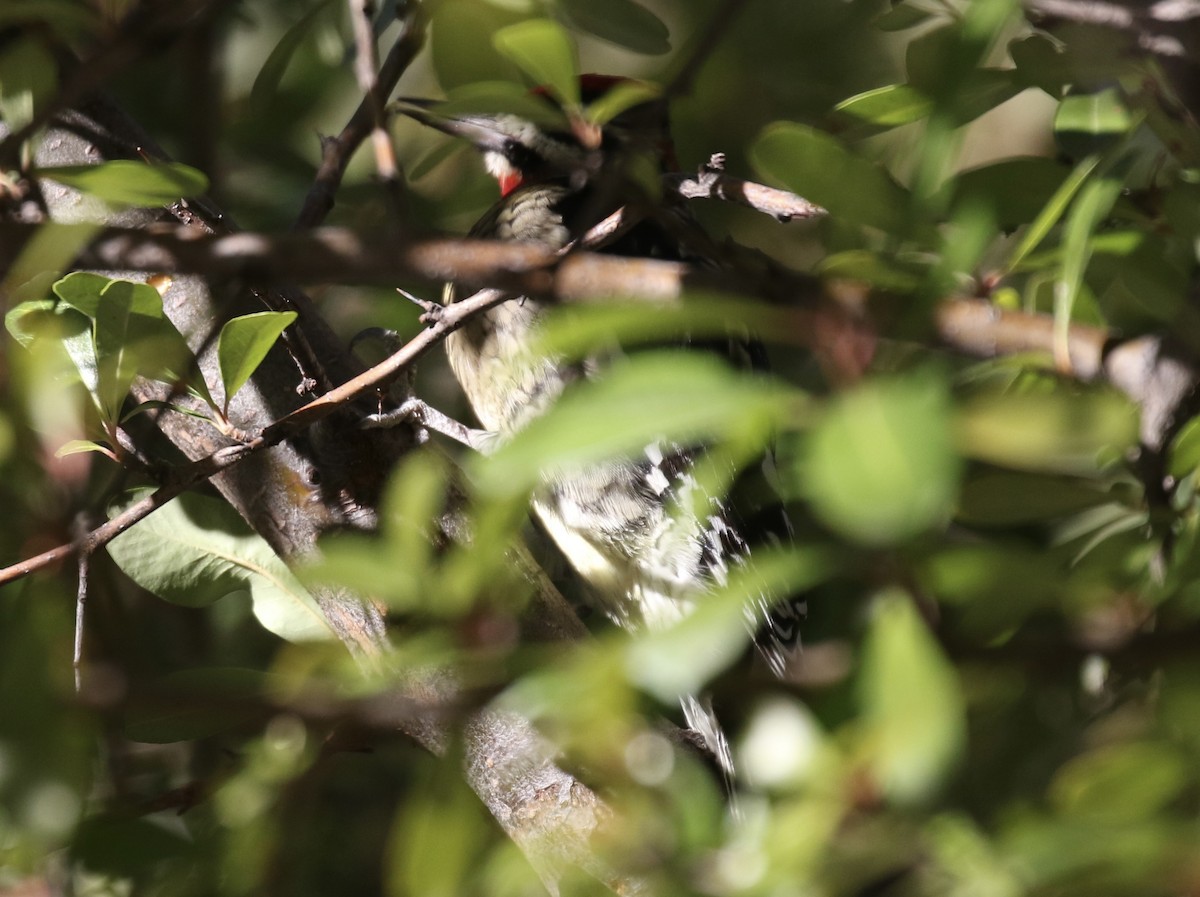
337, 151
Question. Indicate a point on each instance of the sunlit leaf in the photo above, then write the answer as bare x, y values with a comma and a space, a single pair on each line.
1091, 122
1062, 431
125, 182
244, 343
546, 53
887, 107
28, 76
913, 712
820, 169
621, 97
645, 399
196, 550
79, 446
881, 465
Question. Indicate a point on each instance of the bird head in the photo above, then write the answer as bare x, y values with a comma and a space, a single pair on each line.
558, 140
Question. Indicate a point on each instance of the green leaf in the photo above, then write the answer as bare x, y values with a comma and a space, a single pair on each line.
1014, 189
130, 335
28, 77
544, 51
1005, 498
196, 550
1052, 211
1095, 201
1066, 430
682, 658
125, 182
623, 96
887, 107
125, 847
881, 465
266, 83
78, 446
244, 343
680, 396
1092, 122
1120, 782
27, 321
621, 22
913, 712
820, 169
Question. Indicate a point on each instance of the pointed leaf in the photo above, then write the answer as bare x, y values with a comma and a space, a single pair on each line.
266, 83
545, 52
125, 182
677, 396
196, 550
78, 446
244, 343
822, 170
622, 22
912, 704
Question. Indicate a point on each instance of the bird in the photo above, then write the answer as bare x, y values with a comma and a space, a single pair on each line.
645, 543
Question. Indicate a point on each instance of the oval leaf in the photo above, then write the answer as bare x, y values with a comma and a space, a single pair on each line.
544, 51
823, 171
912, 704
622, 22
244, 343
196, 550
125, 182
881, 465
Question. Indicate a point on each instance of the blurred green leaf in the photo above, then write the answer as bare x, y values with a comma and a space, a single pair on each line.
26, 321
196, 550
913, 711
262, 92
127, 847
680, 397
887, 107
1095, 201
679, 660
814, 165
622, 22
1015, 189
28, 77
1121, 781
79, 446
881, 465
1092, 122
244, 343
546, 53
1064, 430
621, 97
198, 703
1004, 498
124, 182
1053, 210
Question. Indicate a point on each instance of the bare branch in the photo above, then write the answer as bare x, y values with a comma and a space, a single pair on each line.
337, 151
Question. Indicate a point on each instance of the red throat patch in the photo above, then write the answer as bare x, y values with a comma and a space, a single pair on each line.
509, 182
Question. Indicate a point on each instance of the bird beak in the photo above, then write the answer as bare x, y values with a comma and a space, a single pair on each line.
478, 130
